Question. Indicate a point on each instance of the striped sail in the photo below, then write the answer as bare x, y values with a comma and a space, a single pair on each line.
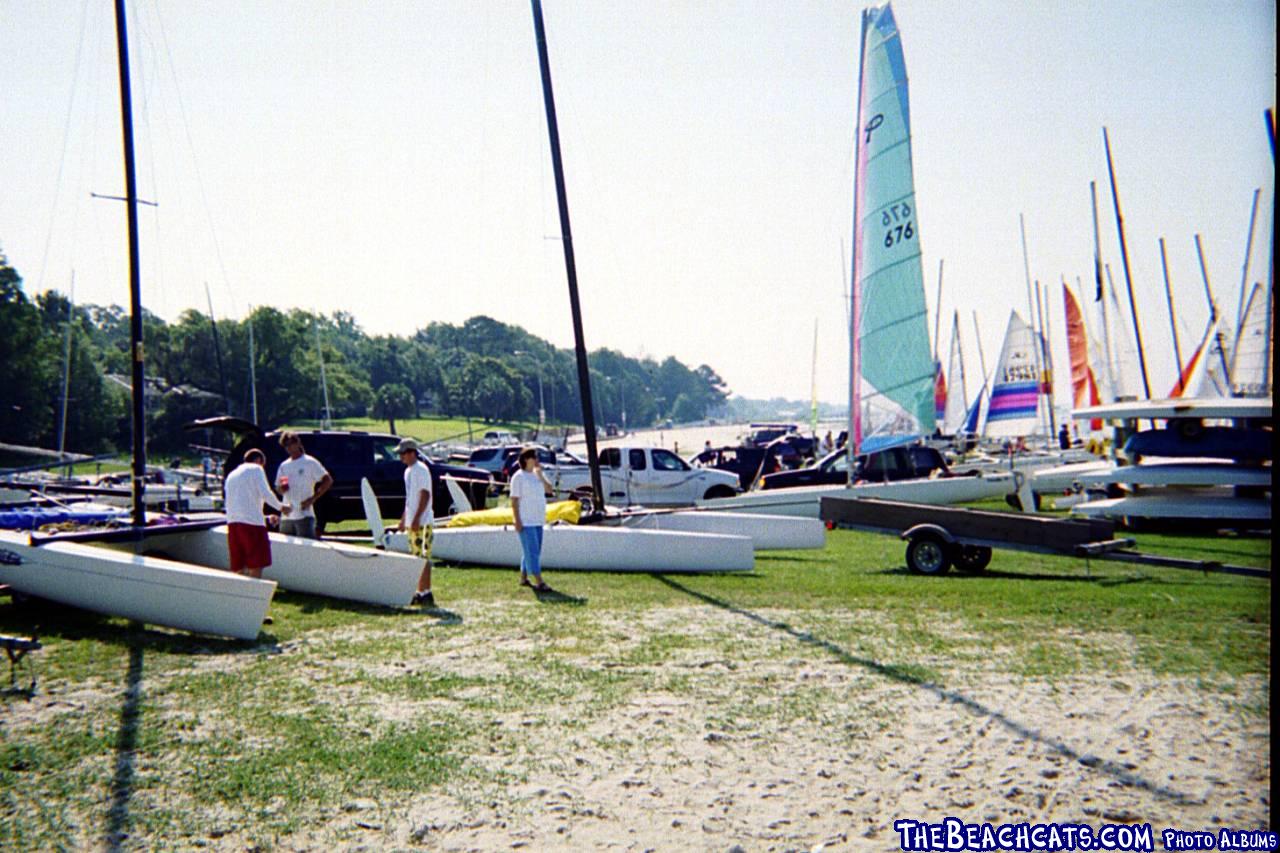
1015, 390
891, 353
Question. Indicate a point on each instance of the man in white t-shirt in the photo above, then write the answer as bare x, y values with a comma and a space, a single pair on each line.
417, 515
302, 479
529, 511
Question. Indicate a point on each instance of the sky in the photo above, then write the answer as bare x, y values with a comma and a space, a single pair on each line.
390, 160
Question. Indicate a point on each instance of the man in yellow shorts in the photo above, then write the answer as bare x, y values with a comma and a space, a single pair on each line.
417, 515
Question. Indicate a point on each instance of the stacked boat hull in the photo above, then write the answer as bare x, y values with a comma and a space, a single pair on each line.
147, 589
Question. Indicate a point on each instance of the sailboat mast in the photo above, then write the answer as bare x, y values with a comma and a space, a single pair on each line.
217, 350
571, 269
1046, 361
1173, 324
1031, 313
1128, 278
1098, 296
854, 438
982, 359
1248, 250
66, 373
1213, 316
253, 372
135, 277
937, 318
325, 423
955, 331
813, 383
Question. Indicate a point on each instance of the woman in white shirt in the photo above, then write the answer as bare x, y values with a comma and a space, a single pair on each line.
529, 510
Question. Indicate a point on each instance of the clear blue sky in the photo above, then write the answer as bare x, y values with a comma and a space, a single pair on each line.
390, 159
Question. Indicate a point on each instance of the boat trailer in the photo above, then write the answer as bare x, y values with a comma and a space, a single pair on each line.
939, 537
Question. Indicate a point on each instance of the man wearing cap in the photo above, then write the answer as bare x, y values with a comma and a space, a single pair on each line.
417, 515
304, 479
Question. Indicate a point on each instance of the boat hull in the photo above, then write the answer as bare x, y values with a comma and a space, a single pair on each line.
591, 548
331, 569
1182, 474
805, 501
1182, 506
766, 532
147, 589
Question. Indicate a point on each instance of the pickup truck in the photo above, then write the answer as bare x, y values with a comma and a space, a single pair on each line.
648, 476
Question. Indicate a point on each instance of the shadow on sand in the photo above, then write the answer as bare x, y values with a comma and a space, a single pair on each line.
902, 676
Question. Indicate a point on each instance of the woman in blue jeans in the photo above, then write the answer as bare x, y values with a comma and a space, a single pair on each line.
529, 510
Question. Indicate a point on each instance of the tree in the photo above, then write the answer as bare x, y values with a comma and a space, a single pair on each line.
28, 363
392, 401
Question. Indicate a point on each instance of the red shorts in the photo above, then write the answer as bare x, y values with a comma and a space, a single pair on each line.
249, 546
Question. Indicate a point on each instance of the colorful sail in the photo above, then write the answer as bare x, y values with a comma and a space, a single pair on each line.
1084, 385
953, 414
972, 418
1015, 390
1251, 355
939, 393
891, 352
1203, 375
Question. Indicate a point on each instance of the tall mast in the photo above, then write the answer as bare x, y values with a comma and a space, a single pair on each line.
327, 420
813, 383
1099, 296
1031, 315
1046, 360
982, 359
1128, 278
937, 319
1173, 324
1213, 316
253, 372
855, 396
1248, 250
571, 269
136, 354
217, 350
955, 330
66, 373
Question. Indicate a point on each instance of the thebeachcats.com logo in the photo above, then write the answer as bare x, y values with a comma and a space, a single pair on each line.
954, 834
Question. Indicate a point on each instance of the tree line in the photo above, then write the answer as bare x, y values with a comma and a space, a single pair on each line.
196, 368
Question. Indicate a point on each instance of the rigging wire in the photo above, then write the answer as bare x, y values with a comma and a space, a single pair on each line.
66, 136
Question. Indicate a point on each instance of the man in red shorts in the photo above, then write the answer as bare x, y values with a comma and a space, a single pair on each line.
244, 493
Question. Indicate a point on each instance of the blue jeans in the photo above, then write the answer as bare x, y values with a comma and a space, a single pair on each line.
531, 548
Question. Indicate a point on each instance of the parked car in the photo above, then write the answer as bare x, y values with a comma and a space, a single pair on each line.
350, 457
747, 462
498, 437
761, 434
648, 476
894, 463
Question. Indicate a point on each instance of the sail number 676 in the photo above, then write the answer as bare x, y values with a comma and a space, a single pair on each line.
897, 219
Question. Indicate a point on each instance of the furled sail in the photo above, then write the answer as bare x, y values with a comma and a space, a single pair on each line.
1251, 355
954, 412
891, 353
1015, 390
1084, 385
939, 394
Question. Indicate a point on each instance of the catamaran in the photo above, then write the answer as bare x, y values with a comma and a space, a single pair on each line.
889, 338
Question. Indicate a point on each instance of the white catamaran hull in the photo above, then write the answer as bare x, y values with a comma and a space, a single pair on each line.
331, 569
766, 532
804, 501
1180, 505
1067, 478
1181, 474
591, 547
148, 589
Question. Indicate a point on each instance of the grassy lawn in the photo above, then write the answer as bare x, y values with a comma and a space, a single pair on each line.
149, 738
428, 429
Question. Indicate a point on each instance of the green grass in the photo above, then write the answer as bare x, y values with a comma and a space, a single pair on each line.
338, 703
428, 429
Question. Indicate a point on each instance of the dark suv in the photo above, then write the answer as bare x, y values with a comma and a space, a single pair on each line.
895, 463
350, 457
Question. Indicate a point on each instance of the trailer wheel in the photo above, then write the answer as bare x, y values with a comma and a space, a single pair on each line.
971, 559
927, 554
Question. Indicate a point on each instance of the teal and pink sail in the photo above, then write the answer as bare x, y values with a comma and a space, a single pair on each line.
890, 349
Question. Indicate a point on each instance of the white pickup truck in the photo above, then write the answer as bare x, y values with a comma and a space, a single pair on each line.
647, 476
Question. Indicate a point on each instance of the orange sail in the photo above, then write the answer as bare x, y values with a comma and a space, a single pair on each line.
1084, 386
